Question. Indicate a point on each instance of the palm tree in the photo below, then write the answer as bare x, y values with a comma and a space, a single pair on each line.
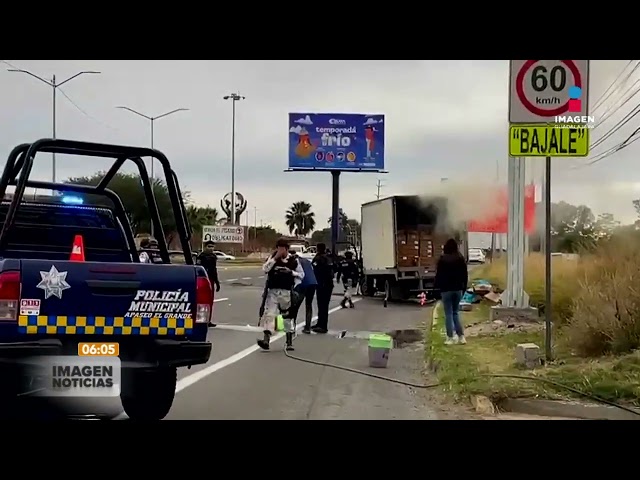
300, 219
201, 216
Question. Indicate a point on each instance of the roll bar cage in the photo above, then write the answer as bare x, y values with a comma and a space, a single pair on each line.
20, 163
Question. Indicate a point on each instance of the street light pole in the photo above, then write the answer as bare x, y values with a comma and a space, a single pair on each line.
52, 83
234, 97
152, 120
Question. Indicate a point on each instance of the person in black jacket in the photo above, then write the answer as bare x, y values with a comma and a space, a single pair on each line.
451, 280
323, 270
349, 271
209, 261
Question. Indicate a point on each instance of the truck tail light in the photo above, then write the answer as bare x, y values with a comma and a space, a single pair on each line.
204, 300
9, 295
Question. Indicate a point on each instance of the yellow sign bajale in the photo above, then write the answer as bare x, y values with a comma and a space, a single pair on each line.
564, 140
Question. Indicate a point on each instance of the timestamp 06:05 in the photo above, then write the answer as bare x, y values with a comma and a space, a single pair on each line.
98, 349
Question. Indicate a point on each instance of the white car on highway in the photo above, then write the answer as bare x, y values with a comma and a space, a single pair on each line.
223, 256
476, 255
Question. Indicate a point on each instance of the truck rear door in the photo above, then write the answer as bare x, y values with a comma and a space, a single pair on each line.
68, 298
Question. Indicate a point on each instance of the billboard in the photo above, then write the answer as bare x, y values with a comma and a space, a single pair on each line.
336, 141
498, 222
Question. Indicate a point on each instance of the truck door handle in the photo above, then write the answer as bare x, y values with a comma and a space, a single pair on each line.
113, 288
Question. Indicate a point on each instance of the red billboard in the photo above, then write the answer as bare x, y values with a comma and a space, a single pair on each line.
497, 220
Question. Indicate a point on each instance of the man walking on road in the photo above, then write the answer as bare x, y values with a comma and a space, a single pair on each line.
209, 261
323, 270
282, 272
349, 271
306, 290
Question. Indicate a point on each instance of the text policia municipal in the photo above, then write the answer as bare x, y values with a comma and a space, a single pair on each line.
96, 376
153, 303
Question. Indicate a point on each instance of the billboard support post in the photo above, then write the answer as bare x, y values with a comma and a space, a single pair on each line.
335, 210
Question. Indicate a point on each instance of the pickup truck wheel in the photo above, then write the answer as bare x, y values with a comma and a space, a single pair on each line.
148, 394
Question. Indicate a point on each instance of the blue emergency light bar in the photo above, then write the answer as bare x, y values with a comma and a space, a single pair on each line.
71, 200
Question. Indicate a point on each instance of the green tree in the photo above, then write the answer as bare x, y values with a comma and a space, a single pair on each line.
573, 227
606, 225
263, 237
321, 236
300, 219
349, 228
201, 216
128, 187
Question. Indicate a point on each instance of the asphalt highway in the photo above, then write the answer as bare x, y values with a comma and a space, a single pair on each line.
242, 382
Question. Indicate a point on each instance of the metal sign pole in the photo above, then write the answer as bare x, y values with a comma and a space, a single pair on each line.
547, 261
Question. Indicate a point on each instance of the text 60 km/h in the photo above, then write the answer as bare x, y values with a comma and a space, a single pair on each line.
548, 141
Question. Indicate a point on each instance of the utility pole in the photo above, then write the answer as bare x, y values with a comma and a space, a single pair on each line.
255, 224
379, 186
234, 97
152, 120
54, 85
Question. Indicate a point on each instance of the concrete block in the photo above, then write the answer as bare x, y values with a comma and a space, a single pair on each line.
528, 355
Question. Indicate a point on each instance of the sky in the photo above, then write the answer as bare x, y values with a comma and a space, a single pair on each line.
444, 119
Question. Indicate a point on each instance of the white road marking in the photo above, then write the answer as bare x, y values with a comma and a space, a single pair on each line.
195, 377
232, 280
245, 278
205, 372
261, 276
220, 300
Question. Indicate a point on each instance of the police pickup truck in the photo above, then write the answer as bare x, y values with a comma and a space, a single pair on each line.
70, 273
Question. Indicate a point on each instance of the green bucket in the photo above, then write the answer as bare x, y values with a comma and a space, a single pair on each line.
379, 347
279, 323
380, 340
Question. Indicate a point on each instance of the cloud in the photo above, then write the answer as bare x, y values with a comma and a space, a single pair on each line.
304, 121
371, 121
455, 131
298, 130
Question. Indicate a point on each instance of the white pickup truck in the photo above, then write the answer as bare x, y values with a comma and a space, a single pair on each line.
302, 251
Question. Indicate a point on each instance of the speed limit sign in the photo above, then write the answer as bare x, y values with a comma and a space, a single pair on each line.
541, 90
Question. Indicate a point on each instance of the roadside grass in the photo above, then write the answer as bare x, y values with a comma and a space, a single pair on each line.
461, 368
564, 284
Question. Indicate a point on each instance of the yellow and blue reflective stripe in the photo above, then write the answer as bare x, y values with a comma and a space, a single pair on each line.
68, 325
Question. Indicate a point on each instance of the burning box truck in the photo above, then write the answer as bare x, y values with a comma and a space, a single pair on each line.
402, 239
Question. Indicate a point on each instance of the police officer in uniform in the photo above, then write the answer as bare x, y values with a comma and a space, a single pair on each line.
305, 292
350, 273
283, 272
323, 268
209, 261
